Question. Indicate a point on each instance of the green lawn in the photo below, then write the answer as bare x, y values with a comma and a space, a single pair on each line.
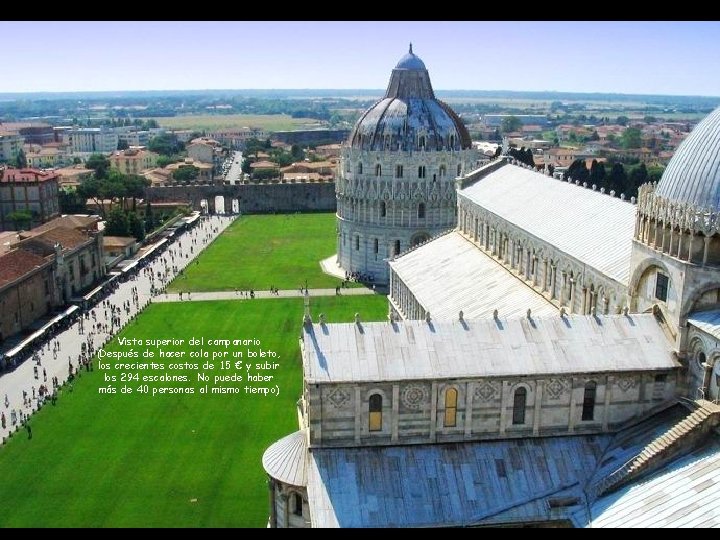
165, 461
260, 251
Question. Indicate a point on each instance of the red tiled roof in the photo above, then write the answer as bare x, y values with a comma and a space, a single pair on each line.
10, 174
16, 264
67, 237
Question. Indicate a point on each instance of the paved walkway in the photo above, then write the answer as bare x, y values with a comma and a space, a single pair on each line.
135, 294
241, 295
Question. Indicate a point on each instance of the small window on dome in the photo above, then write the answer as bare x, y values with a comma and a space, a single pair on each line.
359, 168
452, 141
421, 143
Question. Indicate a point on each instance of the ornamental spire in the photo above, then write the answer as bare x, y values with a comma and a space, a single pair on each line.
411, 47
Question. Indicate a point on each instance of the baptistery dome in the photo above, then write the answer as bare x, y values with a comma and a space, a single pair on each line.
409, 117
396, 183
693, 174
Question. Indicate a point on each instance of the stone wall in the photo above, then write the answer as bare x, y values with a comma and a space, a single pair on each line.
253, 198
414, 412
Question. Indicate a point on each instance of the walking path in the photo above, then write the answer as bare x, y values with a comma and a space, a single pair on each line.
240, 295
119, 307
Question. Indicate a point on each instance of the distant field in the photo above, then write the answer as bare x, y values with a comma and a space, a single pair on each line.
166, 461
210, 122
257, 252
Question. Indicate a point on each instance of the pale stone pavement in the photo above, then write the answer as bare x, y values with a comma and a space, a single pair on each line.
245, 295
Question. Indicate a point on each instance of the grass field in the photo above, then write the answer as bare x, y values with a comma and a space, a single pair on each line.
256, 252
211, 122
165, 461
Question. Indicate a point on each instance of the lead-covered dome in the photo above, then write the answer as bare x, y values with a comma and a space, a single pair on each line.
409, 117
693, 174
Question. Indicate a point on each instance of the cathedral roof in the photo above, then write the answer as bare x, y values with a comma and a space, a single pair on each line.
409, 117
593, 228
488, 347
693, 174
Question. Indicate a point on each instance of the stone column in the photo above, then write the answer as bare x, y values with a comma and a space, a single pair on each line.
563, 286
584, 306
395, 411
553, 281
572, 295
545, 275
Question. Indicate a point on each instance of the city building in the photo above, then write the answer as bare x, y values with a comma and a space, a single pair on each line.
26, 290
27, 190
133, 160
551, 361
91, 140
395, 187
75, 245
10, 145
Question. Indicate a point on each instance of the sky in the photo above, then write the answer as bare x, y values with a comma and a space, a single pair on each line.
677, 58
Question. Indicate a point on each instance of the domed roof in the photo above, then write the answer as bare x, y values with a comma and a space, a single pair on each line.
693, 174
409, 117
410, 61
286, 459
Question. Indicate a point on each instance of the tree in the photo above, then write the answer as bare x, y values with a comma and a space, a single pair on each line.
597, 173
100, 164
166, 144
297, 153
638, 176
511, 123
77, 161
164, 161
578, 171
622, 120
20, 159
149, 217
117, 223
617, 180
594, 136
123, 145
71, 202
136, 227
20, 218
631, 138
186, 173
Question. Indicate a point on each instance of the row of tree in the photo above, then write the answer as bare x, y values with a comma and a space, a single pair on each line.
614, 176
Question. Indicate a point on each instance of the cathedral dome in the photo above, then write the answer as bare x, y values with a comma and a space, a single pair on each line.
693, 174
409, 117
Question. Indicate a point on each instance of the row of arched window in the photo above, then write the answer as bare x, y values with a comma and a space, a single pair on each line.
420, 210
400, 170
375, 405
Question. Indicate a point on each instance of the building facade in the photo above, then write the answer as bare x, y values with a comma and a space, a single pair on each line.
27, 190
133, 161
395, 187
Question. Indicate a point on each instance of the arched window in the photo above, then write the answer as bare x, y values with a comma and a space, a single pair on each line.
297, 504
588, 411
701, 359
451, 395
375, 409
421, 143
459, 169
443, 171
383, 209
378, 170
359, 168
376, 247
421, 211
398, 171
421, 171
519, 404
357, 243
452, 141
397, 247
